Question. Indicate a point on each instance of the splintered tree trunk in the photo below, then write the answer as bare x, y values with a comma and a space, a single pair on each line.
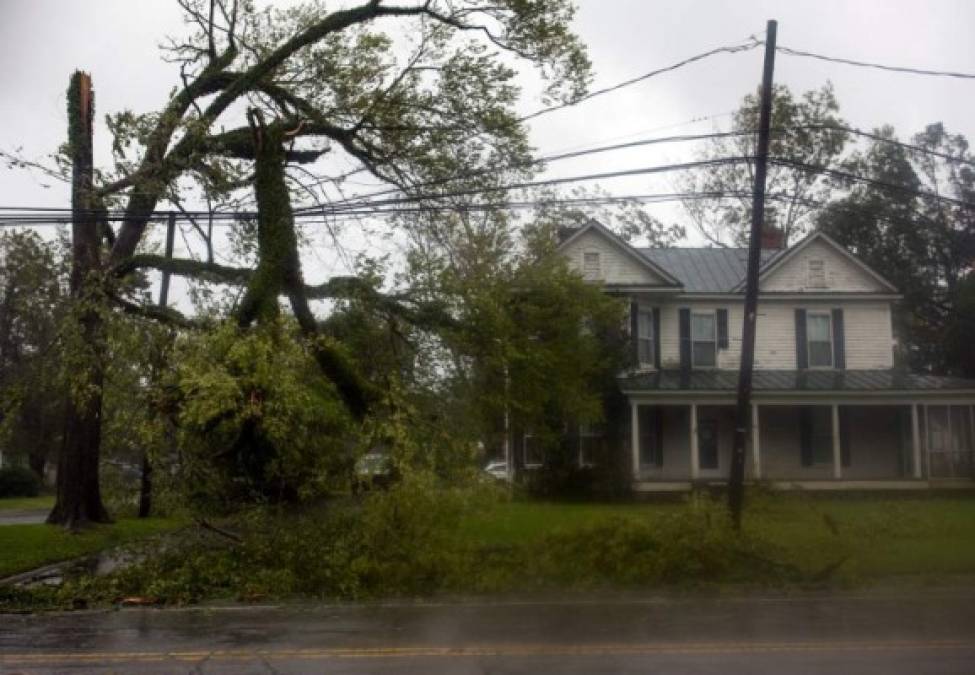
79, 500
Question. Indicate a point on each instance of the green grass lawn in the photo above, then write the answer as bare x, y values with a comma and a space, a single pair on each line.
24, 547
26, 503
929, 536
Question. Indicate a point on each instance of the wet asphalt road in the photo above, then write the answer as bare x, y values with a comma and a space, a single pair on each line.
924, 632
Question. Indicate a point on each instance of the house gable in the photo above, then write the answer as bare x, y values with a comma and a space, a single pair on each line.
618, 263
818, 264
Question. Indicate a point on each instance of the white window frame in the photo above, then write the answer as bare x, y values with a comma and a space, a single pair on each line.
587, 274
714, 322
588, 431
524, 452
816, 281
829, 323
648, 312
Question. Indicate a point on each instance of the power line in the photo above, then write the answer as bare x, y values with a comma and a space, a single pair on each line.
339, 208
541, 160
878, 66
728, 49
846, 175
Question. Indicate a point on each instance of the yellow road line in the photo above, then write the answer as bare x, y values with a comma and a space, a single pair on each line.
677, 648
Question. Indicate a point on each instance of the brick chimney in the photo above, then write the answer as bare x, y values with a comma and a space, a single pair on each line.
772, 237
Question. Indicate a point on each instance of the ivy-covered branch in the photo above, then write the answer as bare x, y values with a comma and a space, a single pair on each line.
185, 268
165, 315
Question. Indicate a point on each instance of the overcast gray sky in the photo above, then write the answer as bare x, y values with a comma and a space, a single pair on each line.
42, 41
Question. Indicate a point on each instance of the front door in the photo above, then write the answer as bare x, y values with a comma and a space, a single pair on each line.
707, 445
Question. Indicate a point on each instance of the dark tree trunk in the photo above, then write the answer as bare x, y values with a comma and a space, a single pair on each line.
279, 265
79, 500
145, 488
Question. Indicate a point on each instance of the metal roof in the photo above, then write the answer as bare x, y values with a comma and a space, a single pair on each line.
706, 270
794, 381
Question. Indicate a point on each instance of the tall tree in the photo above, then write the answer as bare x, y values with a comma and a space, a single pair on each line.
805, 131
79, 499
32, 305
922, 244
413, 93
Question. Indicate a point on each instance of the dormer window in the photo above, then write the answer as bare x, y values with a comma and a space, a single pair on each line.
591, 269
817, 273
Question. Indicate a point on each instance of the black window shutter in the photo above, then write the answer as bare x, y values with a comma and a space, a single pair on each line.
684, 324
806, 435
722, 329
635, 332
802, 354
844, 437
658, 436
839, 340
656, 338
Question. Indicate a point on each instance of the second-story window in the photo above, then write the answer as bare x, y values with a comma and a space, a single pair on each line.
819, 335
591, 269
704, 340
645, 336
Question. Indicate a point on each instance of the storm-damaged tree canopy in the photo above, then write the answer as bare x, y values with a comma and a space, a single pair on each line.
278, 103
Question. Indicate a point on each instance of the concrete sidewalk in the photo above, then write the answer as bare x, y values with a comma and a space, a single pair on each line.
863, 633
23, 516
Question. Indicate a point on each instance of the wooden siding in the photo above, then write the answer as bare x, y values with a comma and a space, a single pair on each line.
842, 274
869, 335
617, 267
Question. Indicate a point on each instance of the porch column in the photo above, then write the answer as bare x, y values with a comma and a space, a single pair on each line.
756, 457
916, 440
837, 453
927, 442
635, 438
695, 463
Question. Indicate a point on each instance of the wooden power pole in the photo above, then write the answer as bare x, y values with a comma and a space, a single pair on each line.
736, 483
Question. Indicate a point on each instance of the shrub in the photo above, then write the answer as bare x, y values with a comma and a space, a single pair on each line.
18, 481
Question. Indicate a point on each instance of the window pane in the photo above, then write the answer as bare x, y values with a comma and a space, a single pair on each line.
645, 324
822, 437
702, 327
817, 327
645, 351
533, 450
820, 354
704, 354
648, 436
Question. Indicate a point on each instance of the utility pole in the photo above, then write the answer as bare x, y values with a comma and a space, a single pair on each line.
145, 485
170, 236
736, 483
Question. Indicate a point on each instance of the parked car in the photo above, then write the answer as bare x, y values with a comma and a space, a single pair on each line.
372, 470
497, 469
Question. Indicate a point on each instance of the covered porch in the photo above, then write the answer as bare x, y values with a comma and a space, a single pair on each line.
815, 438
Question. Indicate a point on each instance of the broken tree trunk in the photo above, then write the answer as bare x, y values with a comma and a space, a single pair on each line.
79, 500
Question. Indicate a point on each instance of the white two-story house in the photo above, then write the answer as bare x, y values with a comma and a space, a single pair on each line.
829, 408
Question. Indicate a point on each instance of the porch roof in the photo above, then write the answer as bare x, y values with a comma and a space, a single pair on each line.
785, 381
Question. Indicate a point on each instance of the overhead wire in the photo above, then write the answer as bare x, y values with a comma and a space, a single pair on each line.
877, 66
